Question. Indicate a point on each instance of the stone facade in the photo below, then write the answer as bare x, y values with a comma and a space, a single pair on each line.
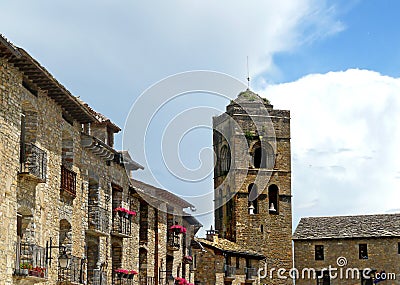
220, 261
65, 191
350, 244
383, 255
252, 178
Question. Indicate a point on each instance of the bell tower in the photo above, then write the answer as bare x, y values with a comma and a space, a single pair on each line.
252, 177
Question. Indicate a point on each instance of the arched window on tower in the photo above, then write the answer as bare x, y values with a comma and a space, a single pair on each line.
252, 199
258, 157
225, 160
273, 197
263, 157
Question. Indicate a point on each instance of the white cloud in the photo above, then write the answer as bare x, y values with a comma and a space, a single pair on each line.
345, 138
150, 40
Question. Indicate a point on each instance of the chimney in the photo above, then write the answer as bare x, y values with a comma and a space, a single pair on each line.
212, 235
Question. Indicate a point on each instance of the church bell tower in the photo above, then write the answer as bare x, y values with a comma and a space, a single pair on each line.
252, 177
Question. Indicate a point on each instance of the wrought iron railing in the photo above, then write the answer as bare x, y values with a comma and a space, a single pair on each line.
163, 276
96, 277
173, 241
30, 260
98, 219
230, 271
143, 280
251, 273
33, 161
74, 272
122, 279
121, 224
68, 181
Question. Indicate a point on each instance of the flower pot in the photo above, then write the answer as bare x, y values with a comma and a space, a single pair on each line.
34, 273
22, 272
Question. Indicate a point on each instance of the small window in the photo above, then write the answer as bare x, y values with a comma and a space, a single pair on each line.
225, 160
319, 252
398, 247
252, 200
237, 262
273, 196
363, 251
323, 277
264, 157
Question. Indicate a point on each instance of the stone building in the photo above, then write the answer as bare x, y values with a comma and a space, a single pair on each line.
163, 251
350, 244
252, 182
220, 261
69, 210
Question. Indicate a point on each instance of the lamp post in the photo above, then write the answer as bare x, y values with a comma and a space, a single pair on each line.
63, 260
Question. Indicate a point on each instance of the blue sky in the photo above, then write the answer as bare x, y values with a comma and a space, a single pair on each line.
334, 64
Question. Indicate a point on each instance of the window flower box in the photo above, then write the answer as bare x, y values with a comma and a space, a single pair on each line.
182, 281
187, 259
122, 212
124, 273
178, 229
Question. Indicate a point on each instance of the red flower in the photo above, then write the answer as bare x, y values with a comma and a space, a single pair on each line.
179, 228
123, 210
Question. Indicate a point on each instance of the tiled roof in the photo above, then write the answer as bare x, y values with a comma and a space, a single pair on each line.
129, 162
160, 194
229, 247
42, 78
101, 118
363, 226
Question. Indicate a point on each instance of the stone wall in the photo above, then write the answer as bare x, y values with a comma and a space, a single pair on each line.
265, 231
383, 255
45, 212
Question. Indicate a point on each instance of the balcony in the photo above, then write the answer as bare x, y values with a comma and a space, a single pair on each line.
143, 280
98, 221
72, 274
30, 263
122, 279
96, 277
33, 162
230, 272
174, 241
68, 182
121, 225
251, 273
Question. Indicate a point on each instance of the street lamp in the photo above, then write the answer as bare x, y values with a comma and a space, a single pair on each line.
64, 260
